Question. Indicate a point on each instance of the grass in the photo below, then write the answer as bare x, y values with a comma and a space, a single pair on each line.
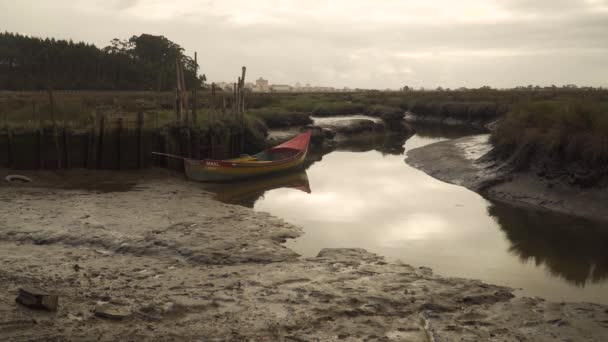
565, 133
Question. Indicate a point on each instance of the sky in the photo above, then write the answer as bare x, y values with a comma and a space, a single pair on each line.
353, 43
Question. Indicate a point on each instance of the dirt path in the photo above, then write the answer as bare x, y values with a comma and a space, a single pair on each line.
177, 265
455, 161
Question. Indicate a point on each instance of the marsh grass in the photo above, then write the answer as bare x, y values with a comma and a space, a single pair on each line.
566, 132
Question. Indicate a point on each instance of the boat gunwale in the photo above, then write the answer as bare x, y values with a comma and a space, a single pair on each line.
226, 164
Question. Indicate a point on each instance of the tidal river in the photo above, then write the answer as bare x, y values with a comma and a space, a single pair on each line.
366, 195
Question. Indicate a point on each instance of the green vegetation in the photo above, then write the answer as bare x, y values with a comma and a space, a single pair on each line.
275, 117
562, 134
143, 62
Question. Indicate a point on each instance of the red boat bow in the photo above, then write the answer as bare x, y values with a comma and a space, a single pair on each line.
299, 143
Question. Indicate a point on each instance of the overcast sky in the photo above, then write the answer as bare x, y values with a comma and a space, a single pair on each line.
355, 43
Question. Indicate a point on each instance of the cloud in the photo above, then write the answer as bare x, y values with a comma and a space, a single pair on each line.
357, 43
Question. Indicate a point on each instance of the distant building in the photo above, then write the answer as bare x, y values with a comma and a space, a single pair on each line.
281, 88
261, 85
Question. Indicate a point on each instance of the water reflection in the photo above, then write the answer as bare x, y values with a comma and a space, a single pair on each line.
364, 195
392, 144
572, 248
246, 193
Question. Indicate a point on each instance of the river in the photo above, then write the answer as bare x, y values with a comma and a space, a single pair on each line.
366, 195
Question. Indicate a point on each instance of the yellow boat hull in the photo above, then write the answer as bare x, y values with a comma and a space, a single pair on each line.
240, 168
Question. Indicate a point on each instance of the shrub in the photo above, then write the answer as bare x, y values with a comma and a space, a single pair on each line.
279, 117
570, 132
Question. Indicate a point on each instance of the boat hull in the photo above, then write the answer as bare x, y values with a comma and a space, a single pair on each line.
217, 172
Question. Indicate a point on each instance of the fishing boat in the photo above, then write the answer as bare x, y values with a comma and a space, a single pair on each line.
286, 156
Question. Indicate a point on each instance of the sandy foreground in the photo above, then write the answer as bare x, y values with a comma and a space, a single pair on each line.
172, 264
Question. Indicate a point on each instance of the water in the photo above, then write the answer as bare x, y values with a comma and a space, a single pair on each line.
365, 195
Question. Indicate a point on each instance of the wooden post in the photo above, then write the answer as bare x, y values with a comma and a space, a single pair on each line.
178, 84
52, 104
234, 107
102, 119
188, 142
9, 143
118, 142
242, 110
167, 146
40, 142
244, 69
57, 148
238, 98
185, 95
91, 149
194, 90
66, 149
140, 140
211, 127
212, 105
40, 137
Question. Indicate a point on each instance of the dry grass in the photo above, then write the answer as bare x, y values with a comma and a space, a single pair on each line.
565, 131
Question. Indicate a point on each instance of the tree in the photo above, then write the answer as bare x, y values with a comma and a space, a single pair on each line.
142, 62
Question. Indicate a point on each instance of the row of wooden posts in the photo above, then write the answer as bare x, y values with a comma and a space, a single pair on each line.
236, 102
56, 146
114, 143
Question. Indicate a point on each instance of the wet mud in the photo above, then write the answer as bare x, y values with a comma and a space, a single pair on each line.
162, 260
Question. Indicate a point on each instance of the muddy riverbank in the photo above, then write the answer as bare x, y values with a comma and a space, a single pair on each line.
459, 162
174, 264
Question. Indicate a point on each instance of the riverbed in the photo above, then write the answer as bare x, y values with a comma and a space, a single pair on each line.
368, 197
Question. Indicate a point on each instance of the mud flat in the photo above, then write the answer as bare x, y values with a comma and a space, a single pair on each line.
459, 162
151, 256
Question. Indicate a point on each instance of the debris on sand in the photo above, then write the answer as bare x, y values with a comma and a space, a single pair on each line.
108, 311
37, 298
17, 179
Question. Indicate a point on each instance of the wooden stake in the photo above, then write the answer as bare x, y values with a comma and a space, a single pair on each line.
52, 104
212, 113
184, 94
102, 119
194, 89
118, 142
234, 107
178, 105
140, 135
9, 156
66, 148
244, 70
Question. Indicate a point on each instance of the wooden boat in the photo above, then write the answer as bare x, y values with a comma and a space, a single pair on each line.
286, 156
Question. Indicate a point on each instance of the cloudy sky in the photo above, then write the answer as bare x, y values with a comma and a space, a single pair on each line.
355, 43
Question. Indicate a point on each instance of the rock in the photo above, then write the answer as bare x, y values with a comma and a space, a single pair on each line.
17, 178
318, 133
37, 298
111, 312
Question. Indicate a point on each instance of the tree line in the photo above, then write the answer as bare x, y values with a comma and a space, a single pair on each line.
144, 62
